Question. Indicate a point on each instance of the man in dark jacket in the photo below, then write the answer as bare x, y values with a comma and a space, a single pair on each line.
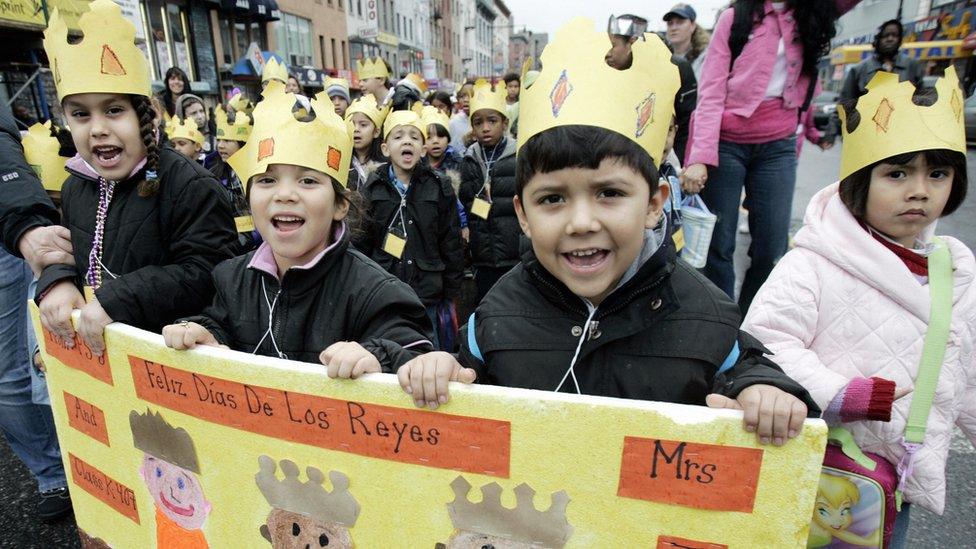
27, 219
885, 58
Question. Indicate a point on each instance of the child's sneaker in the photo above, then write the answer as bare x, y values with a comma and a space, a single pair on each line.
54, 504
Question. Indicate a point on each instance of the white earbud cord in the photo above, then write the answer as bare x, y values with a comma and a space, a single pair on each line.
570, 371
271, 306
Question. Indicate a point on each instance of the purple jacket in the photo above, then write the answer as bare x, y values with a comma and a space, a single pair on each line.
741, 90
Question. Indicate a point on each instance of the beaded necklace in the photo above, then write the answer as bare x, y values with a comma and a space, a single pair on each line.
106, 189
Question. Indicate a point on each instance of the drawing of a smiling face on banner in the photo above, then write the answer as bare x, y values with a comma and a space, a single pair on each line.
176, 491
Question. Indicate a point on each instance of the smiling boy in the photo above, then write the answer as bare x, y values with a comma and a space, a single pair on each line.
600, 305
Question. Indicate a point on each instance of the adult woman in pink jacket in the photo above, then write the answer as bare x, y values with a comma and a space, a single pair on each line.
759, 71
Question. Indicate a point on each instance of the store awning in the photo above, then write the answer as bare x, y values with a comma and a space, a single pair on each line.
265, 9
923, 51
243, 67
311, 77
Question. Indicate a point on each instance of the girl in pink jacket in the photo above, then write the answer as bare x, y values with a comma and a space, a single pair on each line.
846, 311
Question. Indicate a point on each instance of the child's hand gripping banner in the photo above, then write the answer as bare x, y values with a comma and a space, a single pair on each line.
216, 448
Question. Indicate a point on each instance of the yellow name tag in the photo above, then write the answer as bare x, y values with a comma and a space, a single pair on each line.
679, 239
481, 208
89, 294
394, 245
245, 223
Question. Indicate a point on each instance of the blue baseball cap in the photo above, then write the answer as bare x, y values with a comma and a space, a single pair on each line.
683, 11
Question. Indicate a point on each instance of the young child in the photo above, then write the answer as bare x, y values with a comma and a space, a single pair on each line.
147, 225
191, 107
365, 121
461, 123
305, 294
231, 136
488, 187
414, 230
440, 154
374, 77
599, 305
337, 90
847, 310
185, 137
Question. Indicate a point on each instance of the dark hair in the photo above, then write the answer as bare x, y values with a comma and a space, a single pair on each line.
438, 130
512, 77
443, 97
147, 130
815, 26
877, 37
579, 146
854, 188
168, 100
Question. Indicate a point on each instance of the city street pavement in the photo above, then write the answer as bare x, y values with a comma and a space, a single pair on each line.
957, 528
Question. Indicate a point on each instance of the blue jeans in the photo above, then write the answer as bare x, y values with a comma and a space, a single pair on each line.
28, 427
899, 532
768, 173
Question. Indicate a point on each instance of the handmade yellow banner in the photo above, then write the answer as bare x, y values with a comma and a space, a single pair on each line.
222, 449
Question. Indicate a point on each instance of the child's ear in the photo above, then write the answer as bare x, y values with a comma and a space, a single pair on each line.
342, 207
385, 149
655, 205
376, 132
520, 213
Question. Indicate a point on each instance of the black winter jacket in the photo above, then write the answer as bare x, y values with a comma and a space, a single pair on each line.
661, 336
343, 297
162, 248
432, 262
494, 241
23, 203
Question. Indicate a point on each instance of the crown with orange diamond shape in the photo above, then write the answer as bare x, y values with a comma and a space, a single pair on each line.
278, 137
576, 86
891, 124
107, 60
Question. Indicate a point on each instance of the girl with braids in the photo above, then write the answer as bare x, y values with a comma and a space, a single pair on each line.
147, 224
759, 73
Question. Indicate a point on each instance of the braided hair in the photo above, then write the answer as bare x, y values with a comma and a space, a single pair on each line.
147, 130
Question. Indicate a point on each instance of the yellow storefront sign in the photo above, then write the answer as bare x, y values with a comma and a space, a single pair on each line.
923, 51
226, 449
29, 14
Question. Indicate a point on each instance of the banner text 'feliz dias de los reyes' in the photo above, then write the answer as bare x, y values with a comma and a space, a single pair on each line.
216, 448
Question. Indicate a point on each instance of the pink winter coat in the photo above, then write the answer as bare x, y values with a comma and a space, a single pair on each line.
841, 305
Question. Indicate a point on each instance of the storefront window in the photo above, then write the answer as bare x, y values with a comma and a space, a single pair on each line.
225, 39
167, 41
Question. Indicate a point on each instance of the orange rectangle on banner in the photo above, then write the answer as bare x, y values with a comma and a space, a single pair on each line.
703, 476
86, 417
407, 435
671, 542
80, 357
117, 496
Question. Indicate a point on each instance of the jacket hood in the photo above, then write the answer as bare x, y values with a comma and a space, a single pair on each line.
830, 230
477, 151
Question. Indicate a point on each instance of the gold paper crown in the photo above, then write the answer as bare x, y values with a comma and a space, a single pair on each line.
523, 523
240, 103
307, 498
484, 97
105, 61
274, 69
404, 118
576, 86
155, 436
240, 130
41, 150
183, 129
371, 68
367, 105
333, 82
322, 143
431, 115
416, 81
891, 124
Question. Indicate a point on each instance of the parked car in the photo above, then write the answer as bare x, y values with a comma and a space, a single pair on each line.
969, 113
824, 106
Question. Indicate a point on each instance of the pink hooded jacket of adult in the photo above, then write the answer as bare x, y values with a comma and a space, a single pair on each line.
841, 305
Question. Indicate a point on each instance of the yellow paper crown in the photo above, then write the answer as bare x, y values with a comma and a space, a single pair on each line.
403, 118
183, 129
416, 81
41, 150
432, 115
278, 137
333, 82
240, 103
371, 68
891, 124
274, 69
367, 105
240, 130
486, 98
105, 61
576, 86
